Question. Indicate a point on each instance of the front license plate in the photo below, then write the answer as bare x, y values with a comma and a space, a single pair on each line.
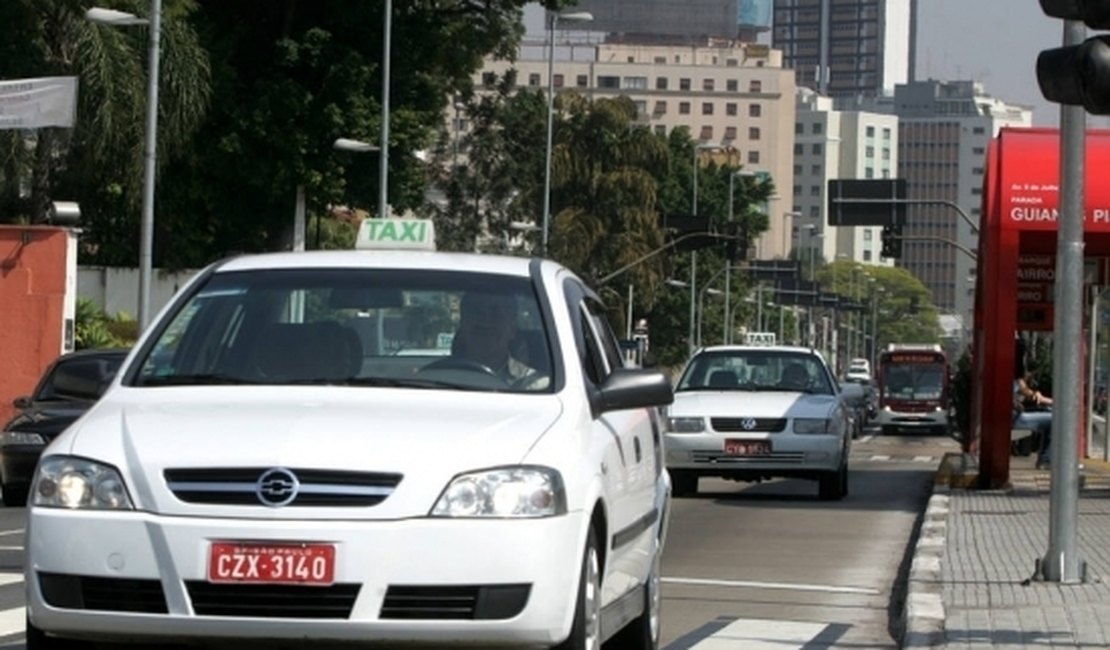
296, 564
747, 447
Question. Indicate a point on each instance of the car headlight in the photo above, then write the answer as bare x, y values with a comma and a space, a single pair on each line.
812, 425
78, 484
685, 425
22, 438
507, 492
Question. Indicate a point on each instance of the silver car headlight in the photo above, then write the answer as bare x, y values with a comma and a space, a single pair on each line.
506, 492
12, 438
78, 484
685, 425
812, 425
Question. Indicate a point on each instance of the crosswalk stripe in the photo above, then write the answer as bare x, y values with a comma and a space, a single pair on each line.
879, 457
5, 533
10, 578
13, 621
757, 634
922, 459
752, 584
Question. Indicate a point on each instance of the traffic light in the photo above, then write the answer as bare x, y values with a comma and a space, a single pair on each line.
1078, 75
892, 241
737, 244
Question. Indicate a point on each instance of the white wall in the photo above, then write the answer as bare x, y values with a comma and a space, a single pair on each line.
116, 289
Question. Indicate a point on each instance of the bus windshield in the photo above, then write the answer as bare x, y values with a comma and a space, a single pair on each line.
913, 381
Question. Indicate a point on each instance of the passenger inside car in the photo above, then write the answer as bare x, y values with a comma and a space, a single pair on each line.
794, 377
487, 335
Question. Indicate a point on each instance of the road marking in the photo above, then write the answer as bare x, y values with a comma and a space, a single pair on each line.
760, 634
749, 584
10, 579
11, 548
13, 621
922, 459
880, 458
868, 438
4, 533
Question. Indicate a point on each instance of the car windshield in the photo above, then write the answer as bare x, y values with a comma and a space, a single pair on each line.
756, 370
356, 327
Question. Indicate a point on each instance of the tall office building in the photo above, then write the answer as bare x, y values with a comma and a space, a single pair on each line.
847, 47
675, 21
734, 95
945, 129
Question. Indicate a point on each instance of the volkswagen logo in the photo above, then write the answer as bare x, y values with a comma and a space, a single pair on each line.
277, 487
748, 424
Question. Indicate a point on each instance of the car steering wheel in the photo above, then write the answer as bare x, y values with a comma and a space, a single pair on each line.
458, 363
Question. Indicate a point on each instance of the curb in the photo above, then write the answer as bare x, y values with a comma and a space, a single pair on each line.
923, 611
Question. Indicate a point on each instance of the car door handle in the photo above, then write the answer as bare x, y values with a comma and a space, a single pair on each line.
636, 447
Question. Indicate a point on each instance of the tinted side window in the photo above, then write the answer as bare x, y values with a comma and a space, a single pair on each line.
606, 337
593, 363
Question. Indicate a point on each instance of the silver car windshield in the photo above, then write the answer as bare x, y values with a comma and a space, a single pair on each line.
357, 327
756, 370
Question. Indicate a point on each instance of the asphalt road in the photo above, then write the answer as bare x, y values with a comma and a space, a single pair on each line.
768, 566
747, 566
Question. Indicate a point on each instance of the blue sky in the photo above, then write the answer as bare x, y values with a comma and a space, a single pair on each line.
993, 41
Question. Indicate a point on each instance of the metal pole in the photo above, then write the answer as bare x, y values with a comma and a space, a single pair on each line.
693, 260
727, 335
383, 172
146, 223
1061, 563
629, 311
759, 307
554, 18
1092, 362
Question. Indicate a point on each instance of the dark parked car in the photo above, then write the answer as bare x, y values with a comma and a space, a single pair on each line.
70, 385
854, 395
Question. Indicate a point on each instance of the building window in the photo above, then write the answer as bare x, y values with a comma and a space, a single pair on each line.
730, 109
978, 151
732, 85
869, 172
756, 86
732, 63
886, 133
797, 149
815, 170
816, 149
684, 84
706, 133
660, 83
977, 191
816, 128
660, 129
558, 80
799, 129
534, 79
869, 152
797, 170
978, 171
815, 190
609, 82
660, 60
755, 110
707, 85
730, 133
753, 157
488, 79
886, 153
870, 131
866, 256
660, 108
797, 190
635, 83
684, 108
867, 234
707, 108
979, 130
753, 133
582, 81
814, 212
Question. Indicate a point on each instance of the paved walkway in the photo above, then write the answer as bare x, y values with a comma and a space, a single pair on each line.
970, 584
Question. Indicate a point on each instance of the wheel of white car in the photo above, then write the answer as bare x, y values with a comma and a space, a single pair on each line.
642, 633
585, 632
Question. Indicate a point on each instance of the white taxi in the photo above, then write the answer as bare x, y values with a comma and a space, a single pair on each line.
328, 447
749, 413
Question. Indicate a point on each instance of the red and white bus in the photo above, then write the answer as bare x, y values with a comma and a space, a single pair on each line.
913, 389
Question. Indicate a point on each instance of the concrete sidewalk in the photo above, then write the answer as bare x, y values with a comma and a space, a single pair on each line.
970, 584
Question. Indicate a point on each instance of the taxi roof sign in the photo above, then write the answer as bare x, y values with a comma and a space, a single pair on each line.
396, 234
760, 338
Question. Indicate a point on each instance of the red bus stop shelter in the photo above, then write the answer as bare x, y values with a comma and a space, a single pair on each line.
1016, 273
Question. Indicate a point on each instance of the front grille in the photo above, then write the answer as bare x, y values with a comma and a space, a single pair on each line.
239, 486
758, 425
272, 601
102, 594
719, 458
453, 602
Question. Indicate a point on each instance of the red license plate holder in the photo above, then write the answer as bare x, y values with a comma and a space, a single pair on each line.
291, 563
734, 447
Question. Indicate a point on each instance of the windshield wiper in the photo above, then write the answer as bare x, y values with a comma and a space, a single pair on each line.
386, 382
200, 379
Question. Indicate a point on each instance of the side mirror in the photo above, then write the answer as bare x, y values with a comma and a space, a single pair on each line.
22, 402
629, 388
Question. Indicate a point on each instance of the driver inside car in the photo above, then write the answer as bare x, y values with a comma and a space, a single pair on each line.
487, 333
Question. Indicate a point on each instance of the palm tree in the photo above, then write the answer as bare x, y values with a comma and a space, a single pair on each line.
99, 161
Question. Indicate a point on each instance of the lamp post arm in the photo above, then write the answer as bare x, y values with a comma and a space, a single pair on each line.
951, 204
662, 249
963, 249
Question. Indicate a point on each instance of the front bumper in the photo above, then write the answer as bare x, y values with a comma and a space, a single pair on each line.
791, 454
927, 420
375, 561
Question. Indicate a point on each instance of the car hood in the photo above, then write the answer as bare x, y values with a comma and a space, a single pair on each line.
426, 436
47, 418
768, 404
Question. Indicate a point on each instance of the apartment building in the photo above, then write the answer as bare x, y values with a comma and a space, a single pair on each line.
735, 95
832, 144
847, 47
674, 20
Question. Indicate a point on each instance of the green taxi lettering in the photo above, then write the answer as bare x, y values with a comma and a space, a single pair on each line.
397, 232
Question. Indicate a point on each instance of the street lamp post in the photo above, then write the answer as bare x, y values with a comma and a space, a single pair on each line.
383, 172
728, 262
146, 221
698, 148
553, 20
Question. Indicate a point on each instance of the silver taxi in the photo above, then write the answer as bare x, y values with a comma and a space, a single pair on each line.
749, 413
370, 446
